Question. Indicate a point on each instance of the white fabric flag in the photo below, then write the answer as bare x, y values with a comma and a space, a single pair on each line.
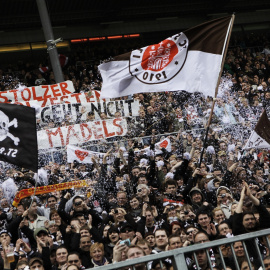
166, 143
189, 61
81, 155
260, 136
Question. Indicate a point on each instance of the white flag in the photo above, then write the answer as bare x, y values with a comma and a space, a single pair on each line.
260, 136
189, 61
80, 155
166, 143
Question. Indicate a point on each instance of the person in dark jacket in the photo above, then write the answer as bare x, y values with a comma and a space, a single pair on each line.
245, 222
78, 206
112, 239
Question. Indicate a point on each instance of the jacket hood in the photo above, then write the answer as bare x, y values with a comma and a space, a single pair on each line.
223, 187
197, 190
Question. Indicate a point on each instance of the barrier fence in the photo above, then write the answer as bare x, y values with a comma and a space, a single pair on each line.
178, 256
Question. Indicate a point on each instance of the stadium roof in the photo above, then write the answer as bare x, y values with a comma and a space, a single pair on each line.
17, 14
118, 16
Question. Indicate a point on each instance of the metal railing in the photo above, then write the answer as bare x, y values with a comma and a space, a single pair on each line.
178, 256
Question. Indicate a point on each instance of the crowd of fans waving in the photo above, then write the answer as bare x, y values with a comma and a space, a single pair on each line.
140, 202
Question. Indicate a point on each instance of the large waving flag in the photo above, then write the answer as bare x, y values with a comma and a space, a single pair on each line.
18, 136
189, 61
260, 136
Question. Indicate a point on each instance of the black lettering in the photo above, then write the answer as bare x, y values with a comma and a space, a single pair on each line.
109, 106
177, 36
145, 75
258, 142
164, 74
42, 115
104, 107
129, 106
96, 109
77, 107
68, 111
183, 44
120, 108
54, 112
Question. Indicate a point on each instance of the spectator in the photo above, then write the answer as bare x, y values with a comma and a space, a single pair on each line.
36, 263
174, 242
74, 259
34, 220
224, 228
61, 256
266, 262
161, 239
97, 255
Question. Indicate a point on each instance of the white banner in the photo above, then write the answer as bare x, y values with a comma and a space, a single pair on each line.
92, 96
80, 133
79, 111
256, 141
38, 93
81, 155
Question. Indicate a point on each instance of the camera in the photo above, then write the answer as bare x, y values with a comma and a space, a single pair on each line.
172, 207
52, 222
139, 190
186, 212
116, 211
72, 227
77, 203
223, 195
126, 242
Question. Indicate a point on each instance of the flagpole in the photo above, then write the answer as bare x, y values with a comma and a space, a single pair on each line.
224, 52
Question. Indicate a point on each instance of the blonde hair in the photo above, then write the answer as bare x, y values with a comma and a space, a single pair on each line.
217, 209
95, 246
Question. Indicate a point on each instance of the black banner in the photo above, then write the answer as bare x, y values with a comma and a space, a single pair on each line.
18, 136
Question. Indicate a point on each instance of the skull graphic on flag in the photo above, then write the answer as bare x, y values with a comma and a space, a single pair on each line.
5, 124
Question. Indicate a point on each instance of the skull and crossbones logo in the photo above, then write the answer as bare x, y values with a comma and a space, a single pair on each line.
5, 124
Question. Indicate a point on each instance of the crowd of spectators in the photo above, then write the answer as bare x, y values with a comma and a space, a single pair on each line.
142, 202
